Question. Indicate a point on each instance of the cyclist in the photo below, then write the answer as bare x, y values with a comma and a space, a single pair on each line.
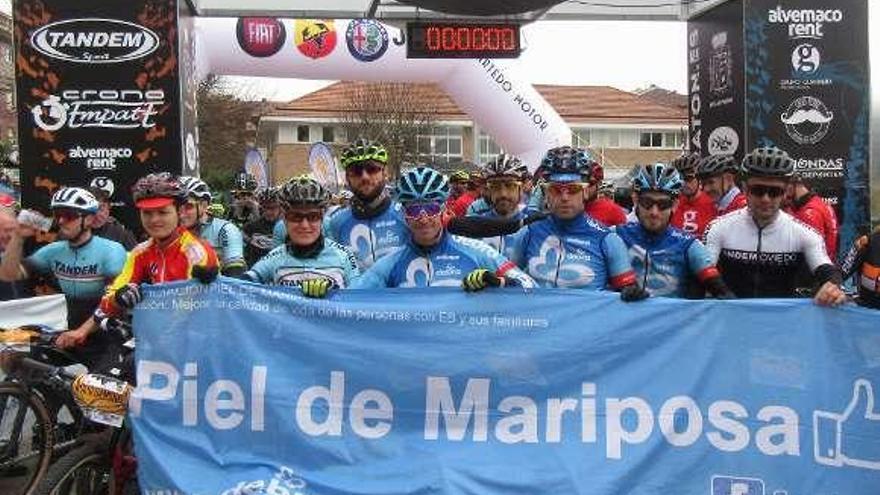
472, 198
863, 261
244, 207
695, 208
222, 235
504, 179
170, 253
432, 257
667, 260
570, 249
105, 225
759, 249
307, 260
809, 208
459, 183
602, 209
717, 174
82, 264
258, 233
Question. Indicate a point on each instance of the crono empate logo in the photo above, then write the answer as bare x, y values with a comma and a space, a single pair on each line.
94, 41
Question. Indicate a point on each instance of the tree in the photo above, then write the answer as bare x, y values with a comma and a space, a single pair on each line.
226, 129
391, 113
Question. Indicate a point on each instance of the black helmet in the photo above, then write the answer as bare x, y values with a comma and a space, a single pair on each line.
268, 195
303, 191
505, 165
150, 190
245, 182
686, 163
713, 165
568, 161
768, 162
362, 150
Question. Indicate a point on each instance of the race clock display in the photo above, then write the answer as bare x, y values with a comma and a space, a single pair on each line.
462, 40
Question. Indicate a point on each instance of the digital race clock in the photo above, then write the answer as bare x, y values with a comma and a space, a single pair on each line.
462, 40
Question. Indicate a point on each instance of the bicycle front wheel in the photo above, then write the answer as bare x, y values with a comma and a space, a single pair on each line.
84, 470
26, 438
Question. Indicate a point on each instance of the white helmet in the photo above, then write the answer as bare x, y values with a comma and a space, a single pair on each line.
196, 187
75, 198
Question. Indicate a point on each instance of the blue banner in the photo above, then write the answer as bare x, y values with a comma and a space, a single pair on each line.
254, 389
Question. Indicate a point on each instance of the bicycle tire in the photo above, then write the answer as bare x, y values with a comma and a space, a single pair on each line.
85, 470
40, 428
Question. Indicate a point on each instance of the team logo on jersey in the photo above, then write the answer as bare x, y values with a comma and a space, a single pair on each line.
314, 38
367, 39
551, 266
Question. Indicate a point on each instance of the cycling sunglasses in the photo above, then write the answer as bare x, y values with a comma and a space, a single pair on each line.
566, 187
369, 167
299, 216
502, 185
662, 203
760, 190
416, 210
64, 216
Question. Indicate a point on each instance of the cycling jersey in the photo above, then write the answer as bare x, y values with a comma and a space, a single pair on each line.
577, 253
693, 214
226, 239
443, 265
501, 244
259, 239
605, 211
863, 261
732, 201
479, 207
152, 264
462, 203
763, 262
813, 211
665, 263
369, 238
82, 272
332, 261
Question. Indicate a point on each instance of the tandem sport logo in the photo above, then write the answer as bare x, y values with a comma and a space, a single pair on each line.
94, 41
843, 436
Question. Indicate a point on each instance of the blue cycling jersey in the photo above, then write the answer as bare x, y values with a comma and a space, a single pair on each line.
371, 238
577, 253
226, 239
281, 267
666, 262
501, 244
478, 207
444, 265
82, 272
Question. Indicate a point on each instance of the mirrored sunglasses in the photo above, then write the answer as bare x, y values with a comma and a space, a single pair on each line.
566, 187
416, 210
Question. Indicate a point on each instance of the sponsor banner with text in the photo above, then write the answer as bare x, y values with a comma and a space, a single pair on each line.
808, 93
98, 95
253, 389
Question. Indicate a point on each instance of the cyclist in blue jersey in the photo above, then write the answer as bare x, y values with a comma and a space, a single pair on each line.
504, 179
432, 257
224, 236
569, 249
307, 260
82, 264
667, 261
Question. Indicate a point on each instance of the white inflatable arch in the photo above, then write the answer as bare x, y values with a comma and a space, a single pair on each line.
490, 91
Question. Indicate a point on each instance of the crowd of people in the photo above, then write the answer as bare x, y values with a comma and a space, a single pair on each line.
699, 227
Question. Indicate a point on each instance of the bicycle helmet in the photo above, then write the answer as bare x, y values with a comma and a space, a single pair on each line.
245, 182
713, 165
158, 190
422, 184
505, 165
567, 164
363, 150
216, 210
658, 177
267, 195
196, 188
75, 198
768, 162
303, 191
460, 176
686, 163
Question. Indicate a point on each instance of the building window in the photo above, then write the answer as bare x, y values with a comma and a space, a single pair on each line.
581, 138
673, 140
489, 149
327, 134
302, 134
442, 145
596, 138
651, 139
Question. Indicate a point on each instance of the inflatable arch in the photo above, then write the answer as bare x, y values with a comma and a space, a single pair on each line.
491, 91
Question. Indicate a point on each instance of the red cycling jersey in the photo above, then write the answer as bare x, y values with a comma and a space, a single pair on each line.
150, 263
739, 201
694, 213
460, 204
605, 211
816, 213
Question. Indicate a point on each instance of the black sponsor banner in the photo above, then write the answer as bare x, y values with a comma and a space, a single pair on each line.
98, 96
715, 80
808, 86
189, 86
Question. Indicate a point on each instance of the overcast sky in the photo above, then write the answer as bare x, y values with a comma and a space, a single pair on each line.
626, 55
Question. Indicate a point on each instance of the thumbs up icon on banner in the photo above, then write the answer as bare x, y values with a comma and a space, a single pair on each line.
851, 437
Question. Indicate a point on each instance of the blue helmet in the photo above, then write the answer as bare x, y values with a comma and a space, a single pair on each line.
422, 184
658, 177
565, 163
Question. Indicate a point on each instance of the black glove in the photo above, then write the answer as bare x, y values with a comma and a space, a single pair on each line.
479, 279
128, 296
534, 217
718, 288
121, 326
205, 274
633, 293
